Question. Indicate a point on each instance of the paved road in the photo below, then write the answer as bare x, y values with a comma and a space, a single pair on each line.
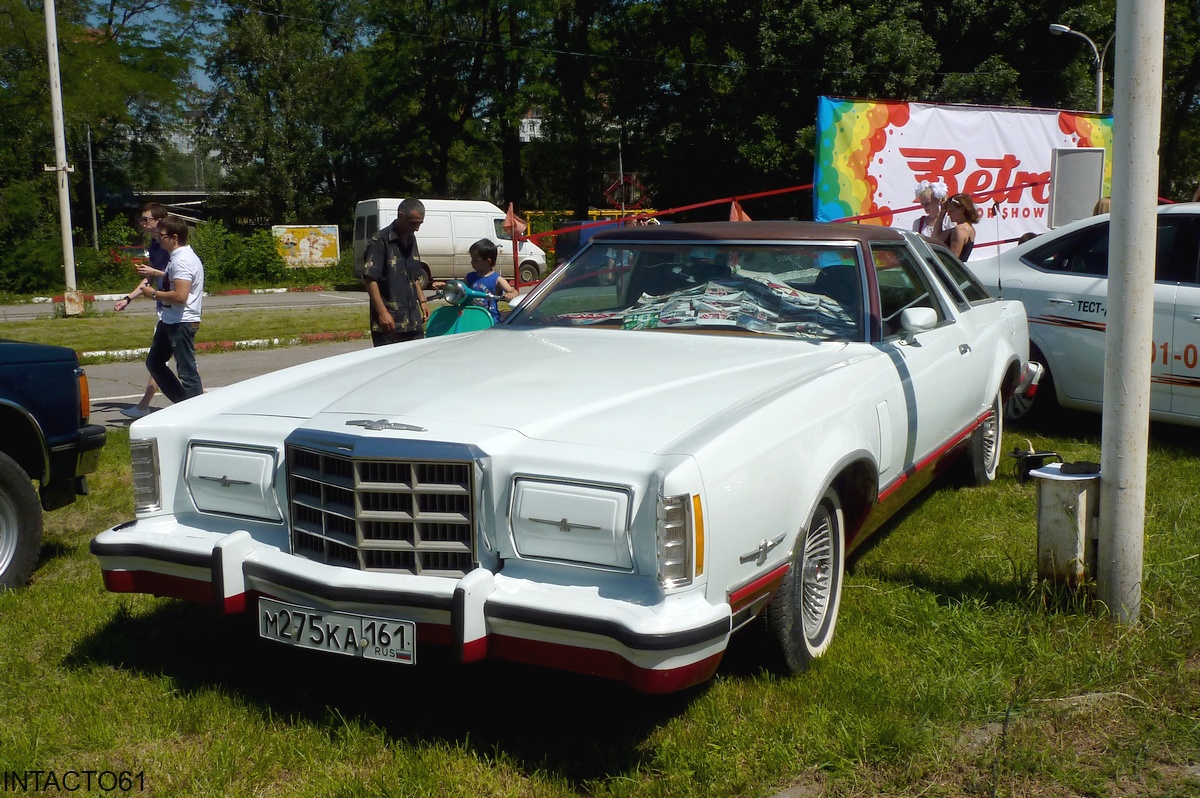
257, 302
118, 385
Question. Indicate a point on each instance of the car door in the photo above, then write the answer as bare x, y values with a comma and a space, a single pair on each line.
1179, 260
1067, 305
930, 363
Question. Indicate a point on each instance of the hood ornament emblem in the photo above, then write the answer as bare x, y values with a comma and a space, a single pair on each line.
225, 481
563, 525
382, 424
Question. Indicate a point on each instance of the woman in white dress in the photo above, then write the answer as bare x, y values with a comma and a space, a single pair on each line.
935, 221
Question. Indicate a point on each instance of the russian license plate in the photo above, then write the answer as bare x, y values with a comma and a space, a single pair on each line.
339, 632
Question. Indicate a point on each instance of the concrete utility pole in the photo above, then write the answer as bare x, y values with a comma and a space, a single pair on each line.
72, 300
1137, 108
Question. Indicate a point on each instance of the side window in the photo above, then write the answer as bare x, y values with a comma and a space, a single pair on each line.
1178, 249
500, 233
1082, 252
951, 270
901, 285
1086, 252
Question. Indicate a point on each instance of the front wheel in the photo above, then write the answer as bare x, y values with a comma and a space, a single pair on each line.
426, 280
20, 524
804, 610
985, 445
529, 272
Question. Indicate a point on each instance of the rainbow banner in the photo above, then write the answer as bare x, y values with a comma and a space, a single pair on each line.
871, 154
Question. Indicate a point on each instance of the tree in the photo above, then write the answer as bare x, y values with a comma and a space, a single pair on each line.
123, 74
1179, 170
288, 96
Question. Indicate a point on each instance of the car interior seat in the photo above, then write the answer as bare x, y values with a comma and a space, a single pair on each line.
840, 283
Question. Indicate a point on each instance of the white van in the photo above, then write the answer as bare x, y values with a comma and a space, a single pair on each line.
450, 228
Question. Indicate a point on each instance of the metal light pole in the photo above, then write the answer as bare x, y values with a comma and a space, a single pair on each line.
621, 171
92, 184
72, 300
1098, 63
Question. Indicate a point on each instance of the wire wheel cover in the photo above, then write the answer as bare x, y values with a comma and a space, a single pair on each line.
817, 576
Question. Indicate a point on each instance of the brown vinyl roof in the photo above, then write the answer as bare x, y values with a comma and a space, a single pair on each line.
758, 231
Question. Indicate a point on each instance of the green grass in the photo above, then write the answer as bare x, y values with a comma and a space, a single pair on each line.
952, 674
104, 331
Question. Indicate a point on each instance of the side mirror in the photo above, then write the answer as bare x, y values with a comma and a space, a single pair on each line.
915, 320
512, 303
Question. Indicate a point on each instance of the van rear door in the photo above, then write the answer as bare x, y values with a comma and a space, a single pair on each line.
366, 222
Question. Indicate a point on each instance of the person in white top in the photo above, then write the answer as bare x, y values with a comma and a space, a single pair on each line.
180, 300
931, 197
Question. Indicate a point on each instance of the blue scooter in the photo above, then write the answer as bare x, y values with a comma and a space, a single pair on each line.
462, 311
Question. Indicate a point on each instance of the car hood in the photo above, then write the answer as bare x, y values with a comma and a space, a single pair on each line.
620, 389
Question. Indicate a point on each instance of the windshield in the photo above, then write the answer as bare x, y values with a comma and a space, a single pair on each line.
805, 290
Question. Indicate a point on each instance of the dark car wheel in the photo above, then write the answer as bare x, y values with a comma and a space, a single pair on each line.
20, 524
803, 612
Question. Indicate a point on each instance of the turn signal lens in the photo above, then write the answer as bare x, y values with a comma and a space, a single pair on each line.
143, 457
674, 541
85, 397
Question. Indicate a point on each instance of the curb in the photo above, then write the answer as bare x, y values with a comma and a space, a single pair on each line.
208, 347
58, 300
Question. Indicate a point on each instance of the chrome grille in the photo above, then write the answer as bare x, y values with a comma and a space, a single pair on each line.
399, 516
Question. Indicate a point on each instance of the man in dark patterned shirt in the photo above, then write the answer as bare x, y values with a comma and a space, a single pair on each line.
392, 271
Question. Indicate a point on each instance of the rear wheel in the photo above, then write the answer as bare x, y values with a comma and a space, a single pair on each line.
20, 524
804, 610
529, 272
985, 445
426, 278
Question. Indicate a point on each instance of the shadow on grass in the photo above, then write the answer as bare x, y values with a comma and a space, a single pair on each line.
574, 727
979, 586
1058, 422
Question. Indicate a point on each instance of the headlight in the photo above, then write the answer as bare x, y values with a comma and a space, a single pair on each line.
572, 522
455, 292
143, 456
233, 481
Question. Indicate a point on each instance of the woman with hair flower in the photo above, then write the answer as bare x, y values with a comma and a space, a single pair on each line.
935, 221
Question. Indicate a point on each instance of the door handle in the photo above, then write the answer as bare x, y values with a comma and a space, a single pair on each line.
964, 349
1055, 301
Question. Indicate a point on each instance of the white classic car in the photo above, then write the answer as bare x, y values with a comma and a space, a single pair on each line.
683, 429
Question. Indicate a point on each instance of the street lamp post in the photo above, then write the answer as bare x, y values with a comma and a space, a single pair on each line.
1098, 63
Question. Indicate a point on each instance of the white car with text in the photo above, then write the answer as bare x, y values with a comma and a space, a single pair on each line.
1062, 279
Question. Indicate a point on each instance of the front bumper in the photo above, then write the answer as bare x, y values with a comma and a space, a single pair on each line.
654, 649
70, 463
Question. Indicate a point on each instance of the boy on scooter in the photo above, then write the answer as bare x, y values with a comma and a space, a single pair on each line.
485, 277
